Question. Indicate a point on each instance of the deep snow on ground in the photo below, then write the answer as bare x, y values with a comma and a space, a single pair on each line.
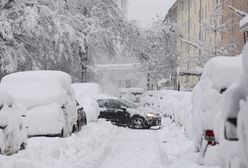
102, 145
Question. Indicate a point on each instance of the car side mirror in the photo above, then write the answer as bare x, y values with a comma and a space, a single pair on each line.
231, 129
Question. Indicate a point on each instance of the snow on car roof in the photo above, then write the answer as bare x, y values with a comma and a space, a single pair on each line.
105, 96
35, 88
222, 71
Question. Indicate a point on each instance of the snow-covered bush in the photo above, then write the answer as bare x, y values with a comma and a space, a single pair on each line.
13, 134
39, 92
85, 94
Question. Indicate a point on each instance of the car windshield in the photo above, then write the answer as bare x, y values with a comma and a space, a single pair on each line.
128, 104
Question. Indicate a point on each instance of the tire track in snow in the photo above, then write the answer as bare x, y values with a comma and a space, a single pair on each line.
162, 152
97, 157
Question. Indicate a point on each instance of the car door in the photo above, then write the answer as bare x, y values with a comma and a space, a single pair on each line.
118, 113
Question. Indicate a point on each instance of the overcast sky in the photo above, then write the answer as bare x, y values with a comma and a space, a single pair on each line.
144, 10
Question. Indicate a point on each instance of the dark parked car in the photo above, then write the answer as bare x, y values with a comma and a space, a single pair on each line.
123, 113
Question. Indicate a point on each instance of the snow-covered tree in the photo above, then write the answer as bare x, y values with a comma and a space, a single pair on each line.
61, 34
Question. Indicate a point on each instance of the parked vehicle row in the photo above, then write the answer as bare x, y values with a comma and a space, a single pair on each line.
49, 108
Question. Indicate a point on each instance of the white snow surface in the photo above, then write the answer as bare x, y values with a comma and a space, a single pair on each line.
37, 88
102, 145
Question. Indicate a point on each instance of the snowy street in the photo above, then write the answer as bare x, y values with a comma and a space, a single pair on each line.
102, 145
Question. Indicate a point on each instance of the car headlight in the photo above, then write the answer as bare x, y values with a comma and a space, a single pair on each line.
150, 115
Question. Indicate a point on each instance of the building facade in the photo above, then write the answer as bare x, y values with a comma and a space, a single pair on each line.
199, 23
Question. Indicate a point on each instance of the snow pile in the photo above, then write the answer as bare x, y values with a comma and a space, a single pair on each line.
170, 103
222, 71
43, 152
37, 88
86, 96
232, 106
12, 130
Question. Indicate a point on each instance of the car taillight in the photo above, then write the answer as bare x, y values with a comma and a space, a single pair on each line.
209, 136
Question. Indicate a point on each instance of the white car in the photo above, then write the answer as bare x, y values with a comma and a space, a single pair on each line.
13, 135
234, 113
49, 99
218, 74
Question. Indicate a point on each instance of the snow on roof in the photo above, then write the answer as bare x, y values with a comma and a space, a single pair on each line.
244, 23
222, 71
104, 96
36, 88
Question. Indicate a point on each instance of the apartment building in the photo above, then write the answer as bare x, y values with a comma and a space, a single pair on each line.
198, 21
235, 35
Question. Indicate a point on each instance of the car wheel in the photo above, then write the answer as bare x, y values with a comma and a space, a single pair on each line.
85, 121
138, 123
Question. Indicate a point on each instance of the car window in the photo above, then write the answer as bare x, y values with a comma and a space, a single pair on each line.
113, 104
128, 104
102, 103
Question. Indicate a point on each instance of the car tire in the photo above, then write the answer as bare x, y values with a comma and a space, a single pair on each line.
138, 123
74, 128
62, 133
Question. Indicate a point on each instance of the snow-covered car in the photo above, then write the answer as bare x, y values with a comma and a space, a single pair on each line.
85, 94
13, 135
123, 113
234, 114
218, 74
48, 98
